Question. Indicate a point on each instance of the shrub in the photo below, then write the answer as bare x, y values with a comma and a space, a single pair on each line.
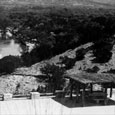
9, 63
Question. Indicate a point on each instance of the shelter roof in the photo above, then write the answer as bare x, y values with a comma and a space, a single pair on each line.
85, 78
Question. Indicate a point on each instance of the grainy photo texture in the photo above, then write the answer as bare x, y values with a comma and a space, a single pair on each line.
57, 57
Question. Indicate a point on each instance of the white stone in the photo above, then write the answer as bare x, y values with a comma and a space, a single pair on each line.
7, 96
35, 95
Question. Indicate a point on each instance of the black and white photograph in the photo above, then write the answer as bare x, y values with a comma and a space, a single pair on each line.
57, 57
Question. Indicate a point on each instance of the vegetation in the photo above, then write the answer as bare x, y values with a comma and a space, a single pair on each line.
102, 51
54, 30
9, 63
70, 62
95, 69
54, 76
57, 30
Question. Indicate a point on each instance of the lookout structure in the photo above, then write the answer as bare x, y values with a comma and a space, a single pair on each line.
84, 84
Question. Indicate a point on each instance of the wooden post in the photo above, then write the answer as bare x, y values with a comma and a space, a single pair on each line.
106, 90
105, 100
71, 89
79, 89
77, 92
91, 85
111, 90
83, 96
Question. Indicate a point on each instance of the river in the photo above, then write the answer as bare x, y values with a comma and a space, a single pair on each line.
9, 47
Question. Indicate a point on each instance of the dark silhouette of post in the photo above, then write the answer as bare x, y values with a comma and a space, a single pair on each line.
111, 90
91, 85
77, 92
83, 96
71, 88
105, 101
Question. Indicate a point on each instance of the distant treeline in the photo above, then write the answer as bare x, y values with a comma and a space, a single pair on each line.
54, 30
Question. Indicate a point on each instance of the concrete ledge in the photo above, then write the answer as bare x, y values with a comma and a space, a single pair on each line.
7, 96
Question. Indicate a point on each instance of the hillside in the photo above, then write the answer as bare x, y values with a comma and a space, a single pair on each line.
85, 64
24, 77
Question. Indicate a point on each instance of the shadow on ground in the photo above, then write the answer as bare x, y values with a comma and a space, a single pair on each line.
72, 103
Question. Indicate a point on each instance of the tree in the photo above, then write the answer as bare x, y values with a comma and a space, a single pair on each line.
54, 76
102, 51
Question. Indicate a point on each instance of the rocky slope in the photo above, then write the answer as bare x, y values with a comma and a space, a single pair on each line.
82, 65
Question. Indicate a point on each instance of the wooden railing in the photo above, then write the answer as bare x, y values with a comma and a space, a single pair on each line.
8, 96
19, 96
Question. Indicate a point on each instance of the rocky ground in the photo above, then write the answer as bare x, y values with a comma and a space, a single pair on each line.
17, 84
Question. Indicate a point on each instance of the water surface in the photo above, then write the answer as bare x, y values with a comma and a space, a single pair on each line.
9, 47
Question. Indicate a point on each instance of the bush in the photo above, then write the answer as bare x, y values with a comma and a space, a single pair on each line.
68, 62
95, 69
9, 63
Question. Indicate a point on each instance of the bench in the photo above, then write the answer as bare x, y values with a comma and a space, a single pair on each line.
99, 96
98, 100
